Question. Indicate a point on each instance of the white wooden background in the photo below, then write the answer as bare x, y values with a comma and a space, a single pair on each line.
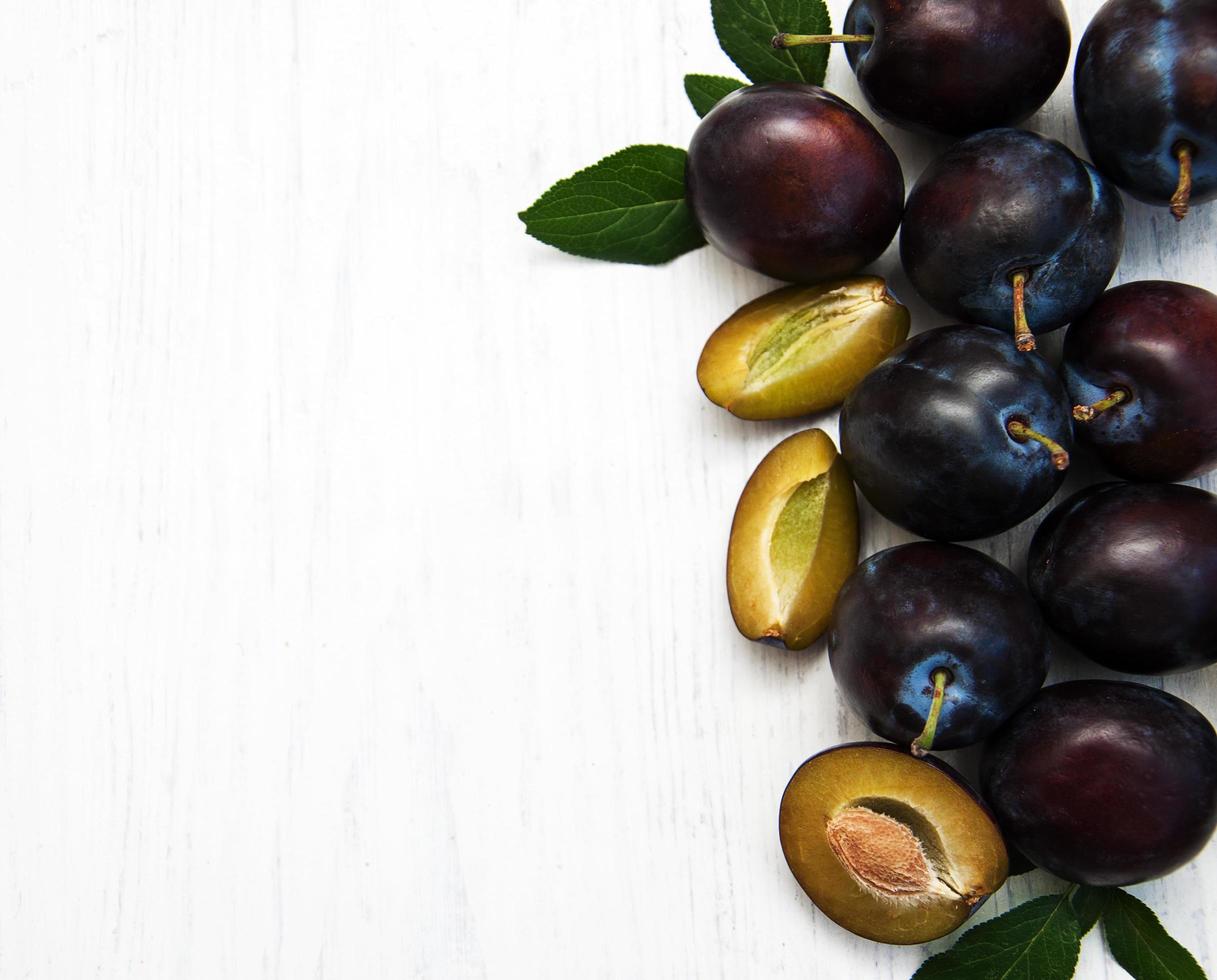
361, 560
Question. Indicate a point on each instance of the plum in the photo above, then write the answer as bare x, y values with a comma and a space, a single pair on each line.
1104, 782
1142, 366
801, 349
936, 645
952, 66
792, 181
894, 848
1007, 227
1128, 573
1145, 98
794, 540
957, 435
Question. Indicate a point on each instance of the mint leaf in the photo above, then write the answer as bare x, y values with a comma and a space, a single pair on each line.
1088, 905
629, 207
704, 91
1038, 940
1140, 944
746, 28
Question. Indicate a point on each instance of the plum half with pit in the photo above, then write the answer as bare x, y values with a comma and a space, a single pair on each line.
1104, 782
935, 645
794, 540
1011, 230
957, 435
1128, 573
1146, 102
894, 848
952, 66
791, 181
1141, 365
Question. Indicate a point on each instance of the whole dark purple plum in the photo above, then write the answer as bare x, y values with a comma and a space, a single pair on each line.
793, 182
1104, 782
1146, 99
954, 66
1007, 222
957, 435
913, 611
1141, 365
1128, 572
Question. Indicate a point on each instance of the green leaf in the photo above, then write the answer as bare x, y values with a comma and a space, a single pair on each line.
1140, 944
1088, 905
629, 207
746, 28
704, 91
1038, 940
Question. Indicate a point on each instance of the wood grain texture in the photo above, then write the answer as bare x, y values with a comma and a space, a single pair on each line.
361, 561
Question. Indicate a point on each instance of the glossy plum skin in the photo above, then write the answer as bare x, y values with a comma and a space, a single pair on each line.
1003, 201
924, 434
910, 610
1158, 342
1104, 782
958, 66
1143, 82
1128, 573
793, 182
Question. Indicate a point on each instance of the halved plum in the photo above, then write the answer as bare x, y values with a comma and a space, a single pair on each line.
892, 847
801, 349
793, 542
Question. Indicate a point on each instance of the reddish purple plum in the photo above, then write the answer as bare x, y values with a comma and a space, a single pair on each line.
1141, 367
1104, 782
953, 66
792, 181
1128, 573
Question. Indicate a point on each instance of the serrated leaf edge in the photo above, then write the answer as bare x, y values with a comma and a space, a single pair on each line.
1063, 902
721, 78
779, 55
1148, 946
674, 205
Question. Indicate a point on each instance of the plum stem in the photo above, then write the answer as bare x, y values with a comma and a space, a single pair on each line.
1024, 339
1086, 413
1181, 199
925, 741
783, 41
1021, 432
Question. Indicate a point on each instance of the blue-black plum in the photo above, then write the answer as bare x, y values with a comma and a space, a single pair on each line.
1146, 99
1104, 782
913, 611
957, 435
793, 182
1141, 367
954, 66
1128, 573
1007, 221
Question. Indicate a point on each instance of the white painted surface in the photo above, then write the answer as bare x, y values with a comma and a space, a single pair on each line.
361, 603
